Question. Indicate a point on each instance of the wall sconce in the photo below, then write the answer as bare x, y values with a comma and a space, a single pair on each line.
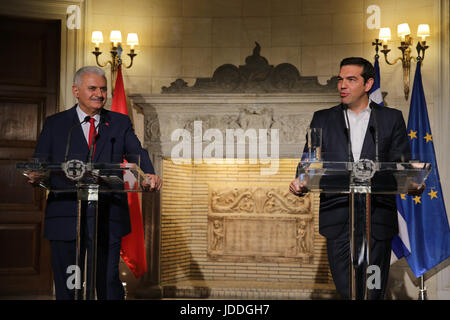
406, 41
116, 50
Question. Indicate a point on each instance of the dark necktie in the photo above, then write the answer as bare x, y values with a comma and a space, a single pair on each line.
92, 133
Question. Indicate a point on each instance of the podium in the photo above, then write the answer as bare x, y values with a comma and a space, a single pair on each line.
365, 177
87, 181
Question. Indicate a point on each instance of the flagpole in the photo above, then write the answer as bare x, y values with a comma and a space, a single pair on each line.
423, 289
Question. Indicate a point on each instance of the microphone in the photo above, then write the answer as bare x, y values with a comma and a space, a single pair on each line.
349, 137
86, 119
374, 129
94, 139
113, 141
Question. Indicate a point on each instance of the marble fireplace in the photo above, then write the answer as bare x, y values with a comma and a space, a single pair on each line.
225, 224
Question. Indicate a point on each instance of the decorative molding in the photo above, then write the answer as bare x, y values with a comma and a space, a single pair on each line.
256, 76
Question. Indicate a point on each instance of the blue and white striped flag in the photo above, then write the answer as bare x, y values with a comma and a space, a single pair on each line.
375, 92
400, 244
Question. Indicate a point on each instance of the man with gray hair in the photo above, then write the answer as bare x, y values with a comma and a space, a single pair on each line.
105, 136
85, 70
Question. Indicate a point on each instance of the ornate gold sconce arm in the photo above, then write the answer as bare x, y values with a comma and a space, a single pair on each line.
406, 63
131, 55
116, 51
115, 61
403, 31
96, 53
385, 51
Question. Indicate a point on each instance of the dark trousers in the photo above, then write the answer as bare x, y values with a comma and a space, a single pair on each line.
63, 254
339, 259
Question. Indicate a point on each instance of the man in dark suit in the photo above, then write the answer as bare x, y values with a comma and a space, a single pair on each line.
369, 123
114, 138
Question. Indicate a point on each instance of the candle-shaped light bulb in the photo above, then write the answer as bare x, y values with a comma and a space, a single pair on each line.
384, 35
132, 40
423, 31
97, 38
403, 30
115, 37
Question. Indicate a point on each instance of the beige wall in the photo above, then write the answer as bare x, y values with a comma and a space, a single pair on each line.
191, 38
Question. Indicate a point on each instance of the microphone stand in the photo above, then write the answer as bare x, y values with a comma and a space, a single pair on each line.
351, 222
89, 192
77, 292
93, 192
368, 203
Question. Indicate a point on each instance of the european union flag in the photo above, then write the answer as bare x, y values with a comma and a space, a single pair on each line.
425, 215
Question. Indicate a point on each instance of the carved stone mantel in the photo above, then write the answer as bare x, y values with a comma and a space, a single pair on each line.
256, 95
267, 225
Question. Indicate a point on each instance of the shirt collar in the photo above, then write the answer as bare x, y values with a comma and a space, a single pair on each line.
82, 115
366, 110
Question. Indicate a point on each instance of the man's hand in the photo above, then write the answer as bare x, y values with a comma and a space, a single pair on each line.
298, 187
35, 177
152, 182
416, 190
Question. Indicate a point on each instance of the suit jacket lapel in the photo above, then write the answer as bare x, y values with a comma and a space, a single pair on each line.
341, 137
78, 144
368, 149
104, 133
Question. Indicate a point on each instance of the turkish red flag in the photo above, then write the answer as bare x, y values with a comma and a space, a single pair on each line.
133, 245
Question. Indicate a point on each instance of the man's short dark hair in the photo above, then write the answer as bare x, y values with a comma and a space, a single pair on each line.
368, 70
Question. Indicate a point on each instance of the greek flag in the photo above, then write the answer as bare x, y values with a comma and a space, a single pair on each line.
375, 92
424, 240
400, 244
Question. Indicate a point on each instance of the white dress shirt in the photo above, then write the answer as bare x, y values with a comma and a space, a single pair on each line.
86, 126
358, 127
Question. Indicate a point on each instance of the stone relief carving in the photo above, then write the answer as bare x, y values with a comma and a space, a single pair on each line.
280, 201
217, 235
302, 232
234, 200
259, 223
255, 118
221, 122
273, 200
256, 76
291, 128
242, 239
152, 130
